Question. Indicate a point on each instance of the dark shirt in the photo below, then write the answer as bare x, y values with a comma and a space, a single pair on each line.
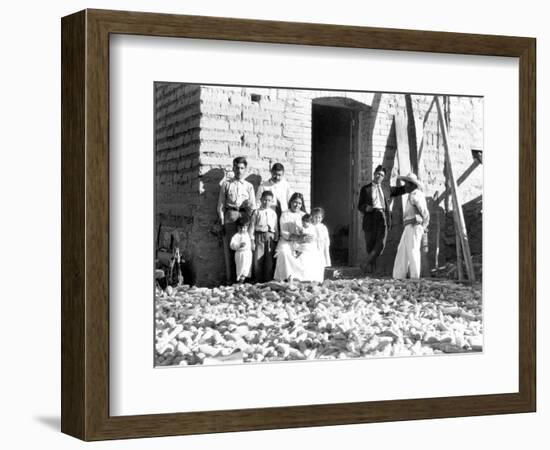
365, 200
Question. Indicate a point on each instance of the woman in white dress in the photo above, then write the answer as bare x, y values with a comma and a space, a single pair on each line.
290, 224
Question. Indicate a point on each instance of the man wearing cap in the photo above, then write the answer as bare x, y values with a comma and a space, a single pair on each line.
416, 218
235, 199
374, 203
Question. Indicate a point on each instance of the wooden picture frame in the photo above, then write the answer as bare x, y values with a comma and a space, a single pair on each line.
85, 224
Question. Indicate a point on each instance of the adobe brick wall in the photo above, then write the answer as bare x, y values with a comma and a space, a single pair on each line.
200, 129
177, 139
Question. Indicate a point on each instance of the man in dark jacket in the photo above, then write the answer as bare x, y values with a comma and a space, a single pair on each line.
374, 203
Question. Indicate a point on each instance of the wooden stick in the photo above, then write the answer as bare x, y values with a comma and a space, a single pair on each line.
458, 243
459, 181
457, 206
437, 236
459, 259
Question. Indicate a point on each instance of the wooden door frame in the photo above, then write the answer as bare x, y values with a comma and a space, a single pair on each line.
351, 177
354, 188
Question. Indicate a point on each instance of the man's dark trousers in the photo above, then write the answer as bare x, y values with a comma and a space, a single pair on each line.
375, 229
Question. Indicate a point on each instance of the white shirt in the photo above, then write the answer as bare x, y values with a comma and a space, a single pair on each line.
378, 201
263, 220
281, 192
233, 193
238, 239
416, 205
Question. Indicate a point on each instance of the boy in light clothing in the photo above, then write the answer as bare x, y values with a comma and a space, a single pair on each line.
241, 245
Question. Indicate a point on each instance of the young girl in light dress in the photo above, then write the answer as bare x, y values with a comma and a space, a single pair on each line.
309, 257
322, 236
242, 245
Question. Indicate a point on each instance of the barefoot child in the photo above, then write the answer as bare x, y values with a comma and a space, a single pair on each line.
241, 244
323, 239
264, 234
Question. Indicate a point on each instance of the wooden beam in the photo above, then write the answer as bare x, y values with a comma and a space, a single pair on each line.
402, 137
457, 205
460, 275
420, 124
437, 236
403, 154
460, 180
411, 134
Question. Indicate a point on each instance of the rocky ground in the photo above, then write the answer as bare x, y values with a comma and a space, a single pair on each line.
304, 321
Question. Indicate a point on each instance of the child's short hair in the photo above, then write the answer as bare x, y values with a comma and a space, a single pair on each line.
267, 193
242, 222
278, 167
306, 218
318, 210
240, 160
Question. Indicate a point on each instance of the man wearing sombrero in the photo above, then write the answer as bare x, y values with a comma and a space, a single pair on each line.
375, 205
416, 218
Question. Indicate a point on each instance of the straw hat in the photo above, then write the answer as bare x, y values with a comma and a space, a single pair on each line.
412, 178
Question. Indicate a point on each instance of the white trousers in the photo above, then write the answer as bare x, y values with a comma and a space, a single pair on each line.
408, 252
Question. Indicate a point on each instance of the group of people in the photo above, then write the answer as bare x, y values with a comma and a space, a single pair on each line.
268, 234
375, 204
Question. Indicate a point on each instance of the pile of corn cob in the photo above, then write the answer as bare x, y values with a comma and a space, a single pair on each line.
355, 318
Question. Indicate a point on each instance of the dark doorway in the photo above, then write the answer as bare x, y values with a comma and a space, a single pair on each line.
331, 186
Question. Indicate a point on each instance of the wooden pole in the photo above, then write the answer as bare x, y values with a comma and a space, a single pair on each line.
459, 181
437, 236
459, 272
403, 151
457, 206
456, 226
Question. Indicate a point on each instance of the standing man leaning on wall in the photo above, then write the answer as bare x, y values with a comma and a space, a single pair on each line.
235, 194
375, 204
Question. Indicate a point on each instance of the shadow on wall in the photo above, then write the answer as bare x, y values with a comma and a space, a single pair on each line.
386, 259
207, 257
434, 250
205, 244
255, 180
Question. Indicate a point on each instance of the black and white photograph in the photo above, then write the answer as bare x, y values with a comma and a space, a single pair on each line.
295, 224
266, 225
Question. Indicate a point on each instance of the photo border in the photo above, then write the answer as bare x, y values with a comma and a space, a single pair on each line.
85, 224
